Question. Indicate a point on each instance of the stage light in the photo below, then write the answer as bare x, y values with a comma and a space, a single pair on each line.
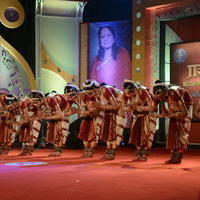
138, 42
20, 164
123, 144
137, 69
138, 28
138, 56
138, 14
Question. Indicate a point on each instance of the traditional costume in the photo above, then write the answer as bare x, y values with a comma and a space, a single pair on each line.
143, 124
90, 111
179, 111
60, 107
112, 127
8, 126
31, 124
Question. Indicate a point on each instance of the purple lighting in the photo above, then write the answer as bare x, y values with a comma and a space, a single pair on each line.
21, 164
11, 14
109, 52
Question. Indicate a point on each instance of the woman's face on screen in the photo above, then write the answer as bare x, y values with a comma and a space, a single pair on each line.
106, 38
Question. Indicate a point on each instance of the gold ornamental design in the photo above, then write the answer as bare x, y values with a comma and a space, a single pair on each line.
23, 63
49, 64
12, 13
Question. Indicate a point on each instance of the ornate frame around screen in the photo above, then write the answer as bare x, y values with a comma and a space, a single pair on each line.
147, 15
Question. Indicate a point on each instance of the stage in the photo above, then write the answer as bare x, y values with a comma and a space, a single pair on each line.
71, 177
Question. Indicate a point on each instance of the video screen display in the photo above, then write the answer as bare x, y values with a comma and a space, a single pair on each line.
110, 52
185, 68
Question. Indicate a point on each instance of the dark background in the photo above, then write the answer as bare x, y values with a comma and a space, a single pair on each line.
107, 10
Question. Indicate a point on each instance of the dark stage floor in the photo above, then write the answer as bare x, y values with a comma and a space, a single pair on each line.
70, 177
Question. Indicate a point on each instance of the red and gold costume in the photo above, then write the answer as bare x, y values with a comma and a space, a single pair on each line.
58, 123
179, 112
8, 127
143, 125
89, 125
112, 126
31, 125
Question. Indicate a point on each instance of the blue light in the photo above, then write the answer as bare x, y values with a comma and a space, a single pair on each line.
20, 164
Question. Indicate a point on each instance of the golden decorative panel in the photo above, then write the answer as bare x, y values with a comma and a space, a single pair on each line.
21, 61
12, 13
47, 63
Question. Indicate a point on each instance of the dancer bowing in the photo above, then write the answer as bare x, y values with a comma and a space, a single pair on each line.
179, 111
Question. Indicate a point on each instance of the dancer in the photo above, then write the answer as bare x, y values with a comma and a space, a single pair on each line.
113, 120
30, 121
8, 126
179, 112
140, 102
59, 108
90, 110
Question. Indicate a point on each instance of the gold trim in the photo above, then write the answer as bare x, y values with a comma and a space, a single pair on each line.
144, 8
12, 4
47, 63
21, 61
83, 70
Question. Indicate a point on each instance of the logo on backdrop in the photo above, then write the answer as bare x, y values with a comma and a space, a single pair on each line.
180, 55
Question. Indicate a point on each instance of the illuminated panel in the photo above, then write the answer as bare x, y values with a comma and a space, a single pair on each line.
12, 74
185, 67
23, 164
52, 81
109, 52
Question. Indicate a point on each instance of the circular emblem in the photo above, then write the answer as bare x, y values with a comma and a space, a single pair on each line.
180, 55
11, 14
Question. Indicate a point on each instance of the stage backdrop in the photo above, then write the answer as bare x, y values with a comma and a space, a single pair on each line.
14, 78
185, 71
109, 52
17, 46
59, 52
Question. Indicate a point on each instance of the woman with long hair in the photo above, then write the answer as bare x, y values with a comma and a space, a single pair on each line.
112, 63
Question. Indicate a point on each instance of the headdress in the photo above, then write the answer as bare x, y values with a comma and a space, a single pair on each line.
10, 98
159, 87
70, 88
52, 93
130, 85
89, 85
36, 93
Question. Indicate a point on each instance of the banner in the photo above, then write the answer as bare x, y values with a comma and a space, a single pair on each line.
185, 71
185, 67
109, 52
13, 78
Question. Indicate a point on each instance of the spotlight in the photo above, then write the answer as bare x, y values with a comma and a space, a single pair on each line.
21, 164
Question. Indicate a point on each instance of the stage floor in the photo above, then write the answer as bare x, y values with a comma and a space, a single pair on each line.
70, 177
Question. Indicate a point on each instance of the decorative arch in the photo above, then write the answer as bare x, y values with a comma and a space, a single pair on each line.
147, 16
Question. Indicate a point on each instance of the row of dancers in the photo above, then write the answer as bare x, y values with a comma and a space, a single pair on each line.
104, 111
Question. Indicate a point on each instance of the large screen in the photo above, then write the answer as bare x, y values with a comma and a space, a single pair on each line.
185, 71
185, 67
109, 52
